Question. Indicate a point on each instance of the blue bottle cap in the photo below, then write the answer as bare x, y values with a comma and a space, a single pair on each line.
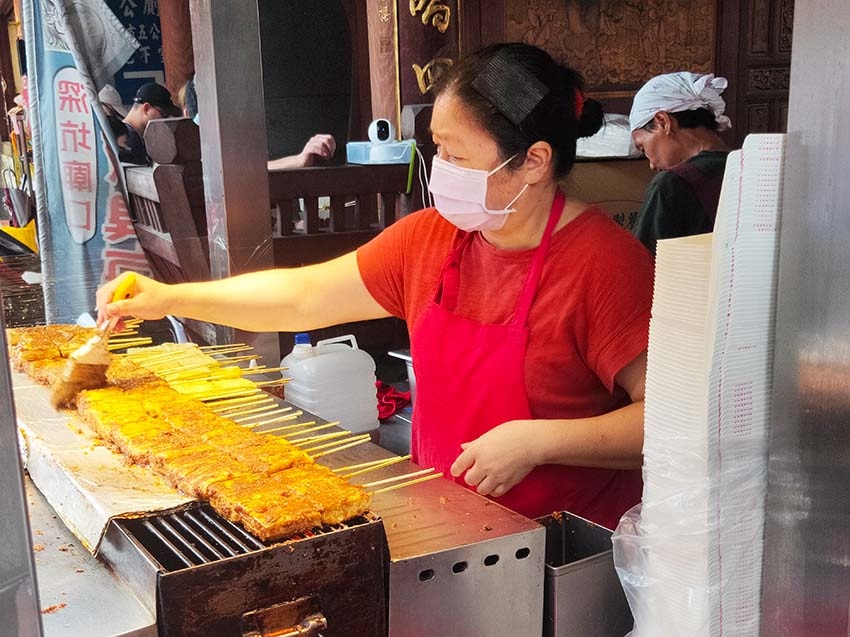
302, 338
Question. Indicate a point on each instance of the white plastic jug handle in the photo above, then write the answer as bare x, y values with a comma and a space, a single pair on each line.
339, 339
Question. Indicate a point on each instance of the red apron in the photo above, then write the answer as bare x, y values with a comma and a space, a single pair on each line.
472, 378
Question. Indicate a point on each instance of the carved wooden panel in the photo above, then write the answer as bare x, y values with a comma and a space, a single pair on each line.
786, 25
755, 55
760, 27
758, 117
618, 44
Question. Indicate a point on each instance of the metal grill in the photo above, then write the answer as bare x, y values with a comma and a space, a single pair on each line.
199, 535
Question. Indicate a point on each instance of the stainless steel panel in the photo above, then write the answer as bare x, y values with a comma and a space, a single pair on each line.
493, 587
85, 598
806, 578
583, 592
460, 564
18, 598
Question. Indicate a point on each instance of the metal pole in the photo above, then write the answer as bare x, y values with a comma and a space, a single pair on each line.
19, 606
229, 84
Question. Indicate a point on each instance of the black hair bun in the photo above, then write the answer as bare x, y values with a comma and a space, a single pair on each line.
591, 118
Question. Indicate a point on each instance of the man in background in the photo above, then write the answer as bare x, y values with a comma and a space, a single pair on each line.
152, 101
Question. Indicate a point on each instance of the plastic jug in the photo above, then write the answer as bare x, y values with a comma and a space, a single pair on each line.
334, 380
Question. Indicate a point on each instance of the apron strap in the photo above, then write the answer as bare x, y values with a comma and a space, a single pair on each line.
529, 288
447, 290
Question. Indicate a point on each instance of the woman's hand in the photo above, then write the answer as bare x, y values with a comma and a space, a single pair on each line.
500, 459
149, 301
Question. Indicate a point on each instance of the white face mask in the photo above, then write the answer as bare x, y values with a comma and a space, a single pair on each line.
460, 196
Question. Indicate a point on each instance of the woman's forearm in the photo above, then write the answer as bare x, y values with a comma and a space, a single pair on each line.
259, 301
613, 440
283, 300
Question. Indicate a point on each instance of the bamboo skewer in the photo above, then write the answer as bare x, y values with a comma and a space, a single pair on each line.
227, 349
342, 448
261, 369
349, 442
374, 465
276, 429
320, 438
128, 332
368, 463
204, 397
208, 348
312, 429
182, 369
230, 360
415, 474
232, 403
273, 383
433, 476
271, 421
152, 352
198, 370
143, 341
242, 410
198, 376
322, 447
217, 372
272, 412
130, 337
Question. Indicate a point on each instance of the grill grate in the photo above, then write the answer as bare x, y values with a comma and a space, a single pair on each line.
199, 535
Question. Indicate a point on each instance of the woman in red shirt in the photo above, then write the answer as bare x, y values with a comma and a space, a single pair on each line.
528, 311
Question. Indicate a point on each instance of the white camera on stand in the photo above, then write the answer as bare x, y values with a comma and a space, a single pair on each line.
382, 147
381, 131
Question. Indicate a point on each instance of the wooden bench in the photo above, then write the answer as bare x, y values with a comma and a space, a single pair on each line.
167, 208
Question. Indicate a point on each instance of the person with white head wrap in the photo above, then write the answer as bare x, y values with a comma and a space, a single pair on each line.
675, 121
677, 92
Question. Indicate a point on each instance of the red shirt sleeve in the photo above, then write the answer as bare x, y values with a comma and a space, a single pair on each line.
618, 307
400, 267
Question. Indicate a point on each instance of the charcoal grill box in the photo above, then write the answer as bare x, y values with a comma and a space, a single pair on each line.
583, 595
205, 576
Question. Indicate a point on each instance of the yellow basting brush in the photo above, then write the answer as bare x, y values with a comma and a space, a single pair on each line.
86, 366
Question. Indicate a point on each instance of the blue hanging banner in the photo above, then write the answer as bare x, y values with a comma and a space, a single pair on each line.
141, 19
86, 236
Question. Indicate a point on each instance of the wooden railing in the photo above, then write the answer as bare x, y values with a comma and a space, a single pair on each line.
167, 207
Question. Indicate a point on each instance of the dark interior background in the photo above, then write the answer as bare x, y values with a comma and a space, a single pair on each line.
303, 98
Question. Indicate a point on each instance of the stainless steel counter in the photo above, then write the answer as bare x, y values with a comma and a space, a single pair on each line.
77, 594
459, 564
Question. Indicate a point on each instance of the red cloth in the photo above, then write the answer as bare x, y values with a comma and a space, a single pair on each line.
589, 319
390, 400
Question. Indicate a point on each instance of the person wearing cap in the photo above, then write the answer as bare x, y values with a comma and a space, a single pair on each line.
152, 101
675, 121
527, 309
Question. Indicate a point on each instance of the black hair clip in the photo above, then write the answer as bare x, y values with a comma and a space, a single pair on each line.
510, 88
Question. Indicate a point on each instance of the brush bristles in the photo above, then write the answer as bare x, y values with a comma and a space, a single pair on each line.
76, 377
